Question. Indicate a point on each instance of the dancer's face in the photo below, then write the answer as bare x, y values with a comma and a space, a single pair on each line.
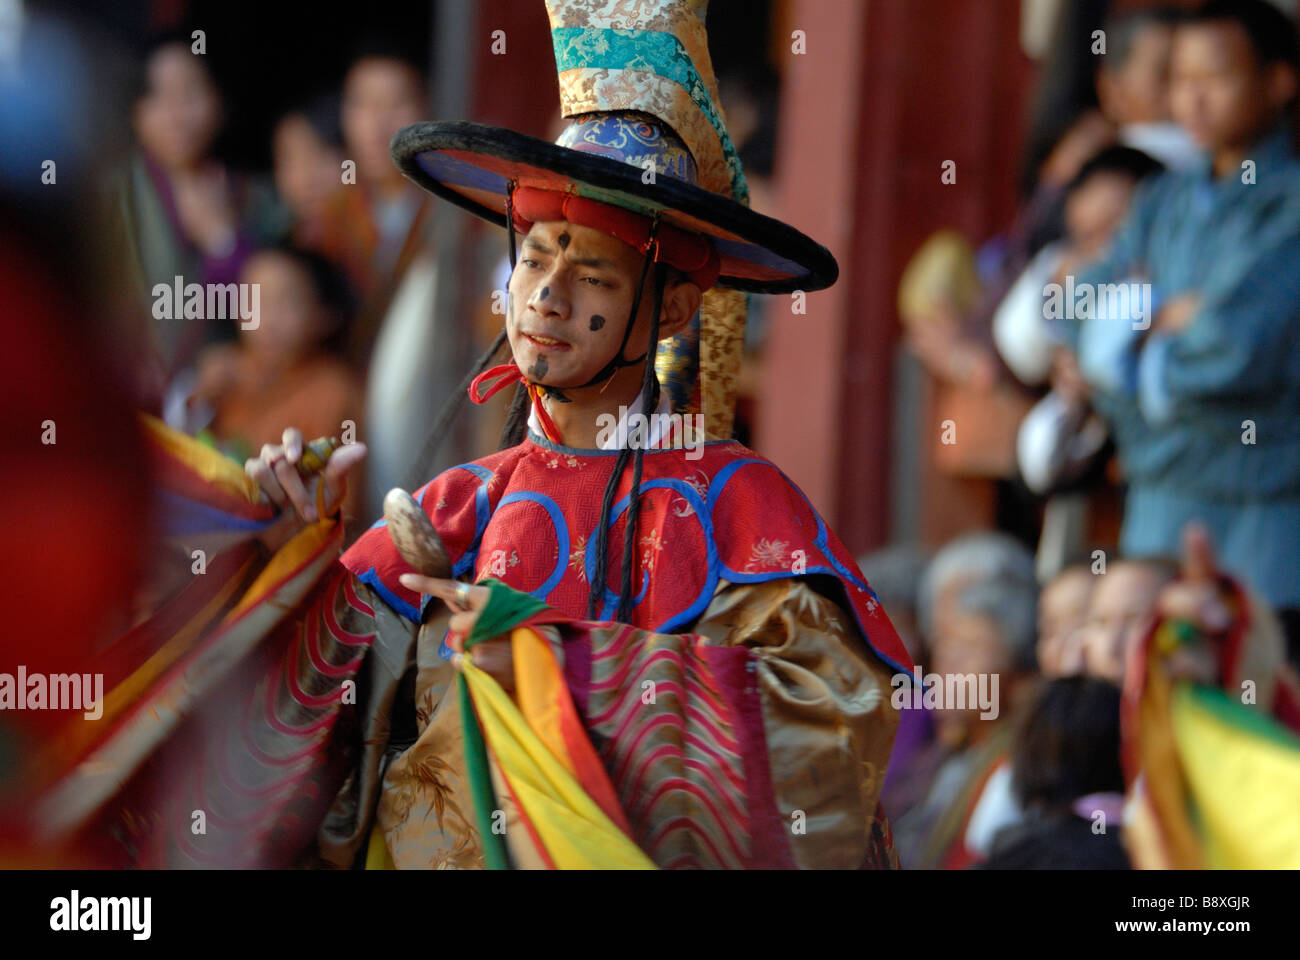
570, 296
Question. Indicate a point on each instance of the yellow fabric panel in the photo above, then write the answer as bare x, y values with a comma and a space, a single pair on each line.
377, 857
1142, 836
304, 545
538, 687
78, 737
722, 346
1246, 789
522, 847
1158, 756
208, 463
576, 833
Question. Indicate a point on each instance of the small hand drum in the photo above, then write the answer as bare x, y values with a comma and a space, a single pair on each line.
414, 536
314, 455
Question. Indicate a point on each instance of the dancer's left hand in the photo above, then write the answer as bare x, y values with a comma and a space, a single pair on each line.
493, 656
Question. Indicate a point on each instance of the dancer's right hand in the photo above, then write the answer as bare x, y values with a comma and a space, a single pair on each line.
275, 472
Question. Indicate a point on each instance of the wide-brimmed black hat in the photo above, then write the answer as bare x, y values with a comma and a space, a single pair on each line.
647, 158
613, 153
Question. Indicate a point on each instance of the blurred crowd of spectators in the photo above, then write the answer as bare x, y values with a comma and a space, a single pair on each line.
1173, 385
328, 238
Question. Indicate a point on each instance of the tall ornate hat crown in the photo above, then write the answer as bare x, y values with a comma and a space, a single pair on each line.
621, 67
637, 85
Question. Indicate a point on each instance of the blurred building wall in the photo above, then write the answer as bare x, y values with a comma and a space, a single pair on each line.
886, 93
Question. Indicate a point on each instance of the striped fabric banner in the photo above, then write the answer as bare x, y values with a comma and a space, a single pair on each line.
542, 752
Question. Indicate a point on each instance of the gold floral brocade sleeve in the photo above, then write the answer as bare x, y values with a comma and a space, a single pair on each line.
766, 741
759, 739
827, 716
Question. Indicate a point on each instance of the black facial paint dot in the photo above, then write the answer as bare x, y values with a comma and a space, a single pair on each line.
563, 241
597, 321
546, 292
539, 369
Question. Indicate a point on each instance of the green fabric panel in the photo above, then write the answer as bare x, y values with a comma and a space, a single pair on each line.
1250, 721
506, 607
480, 781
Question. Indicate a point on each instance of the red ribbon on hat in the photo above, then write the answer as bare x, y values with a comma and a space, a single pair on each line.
693, 254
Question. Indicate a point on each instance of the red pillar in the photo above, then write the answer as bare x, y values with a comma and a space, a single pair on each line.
817, 164
887, 91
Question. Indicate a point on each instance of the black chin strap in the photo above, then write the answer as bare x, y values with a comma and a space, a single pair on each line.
617, 362
510, 227
555, 393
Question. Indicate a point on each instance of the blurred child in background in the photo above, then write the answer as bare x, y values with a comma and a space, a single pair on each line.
282, 371
1119, 613
1062, 613
1068, 781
